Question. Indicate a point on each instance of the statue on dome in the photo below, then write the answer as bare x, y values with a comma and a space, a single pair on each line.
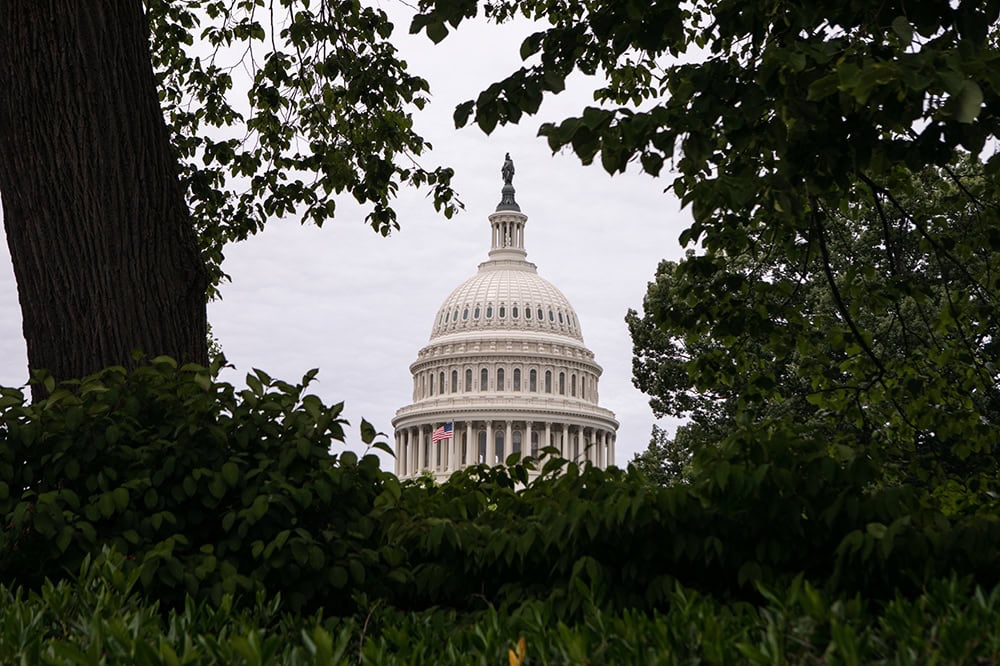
508, 170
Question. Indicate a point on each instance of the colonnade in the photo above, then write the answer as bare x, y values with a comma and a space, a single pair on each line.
491, 441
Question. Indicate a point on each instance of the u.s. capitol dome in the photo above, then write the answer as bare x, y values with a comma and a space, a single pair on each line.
506, 369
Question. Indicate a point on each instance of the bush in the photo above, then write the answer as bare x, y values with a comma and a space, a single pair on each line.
100, 617
204, 489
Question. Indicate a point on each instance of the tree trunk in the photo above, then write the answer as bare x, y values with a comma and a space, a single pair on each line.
104, 252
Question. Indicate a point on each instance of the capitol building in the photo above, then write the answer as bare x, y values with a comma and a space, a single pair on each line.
505, 371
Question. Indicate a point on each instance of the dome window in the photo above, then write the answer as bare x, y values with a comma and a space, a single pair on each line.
533, 381
454, 316
503, 312
551, 317
500, 379
441, 383
484, 379
527, 312
465, 314
572, 385
489, 312
540, 315
475, 313
517, 379
454, 380
468, 379
548, 381
513, 312
562, 383
560, 318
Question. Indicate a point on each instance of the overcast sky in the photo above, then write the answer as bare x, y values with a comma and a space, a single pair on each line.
359, 306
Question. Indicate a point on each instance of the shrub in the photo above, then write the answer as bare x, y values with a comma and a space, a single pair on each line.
205, 489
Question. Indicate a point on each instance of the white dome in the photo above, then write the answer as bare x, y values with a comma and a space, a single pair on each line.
506, 370
507, 296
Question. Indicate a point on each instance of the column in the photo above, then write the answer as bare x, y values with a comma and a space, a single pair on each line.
611, 448
452, 448
468, 443
411, 453
526, 442
602, 456
567, 453
399, 453
548, 436
508, 442
581, 446
421, 450
491, 449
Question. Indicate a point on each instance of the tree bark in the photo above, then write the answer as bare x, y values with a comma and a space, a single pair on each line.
104, 252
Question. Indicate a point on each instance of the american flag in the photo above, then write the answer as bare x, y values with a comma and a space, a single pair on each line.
443, 432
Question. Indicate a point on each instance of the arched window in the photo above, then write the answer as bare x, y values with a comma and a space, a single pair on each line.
432, 384
533, 380
423, 385
540, 316
489, 312
513, 312
560, 317
498, 440
562, 383
500, 378
534, 444
465, 314
481, 458
441, 383
475, 313
484, 379
551, 318
527, 312
468, 379
503, 311
548, 381
454, 380
572, 385
583, 386
517, 379
515, 442
454, 316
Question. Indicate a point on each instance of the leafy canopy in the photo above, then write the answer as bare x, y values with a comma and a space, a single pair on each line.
833, 235
276, 106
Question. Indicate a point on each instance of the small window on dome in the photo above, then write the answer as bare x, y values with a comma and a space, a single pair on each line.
500, 379
527, 313
513, 312
551, 317
489, 312
465, 314
540, 315
517, 379
454, 380
503, 312
560, 318
454, 316
475, 313
468, 379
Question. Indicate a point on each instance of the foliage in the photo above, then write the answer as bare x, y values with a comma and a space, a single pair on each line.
665, 459
98, 617
208, 491
923, 401
763, 510
275, 107
800, 132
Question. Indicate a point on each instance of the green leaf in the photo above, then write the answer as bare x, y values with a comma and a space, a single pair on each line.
970, 102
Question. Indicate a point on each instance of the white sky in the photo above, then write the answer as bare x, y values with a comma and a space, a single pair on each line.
359, 307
